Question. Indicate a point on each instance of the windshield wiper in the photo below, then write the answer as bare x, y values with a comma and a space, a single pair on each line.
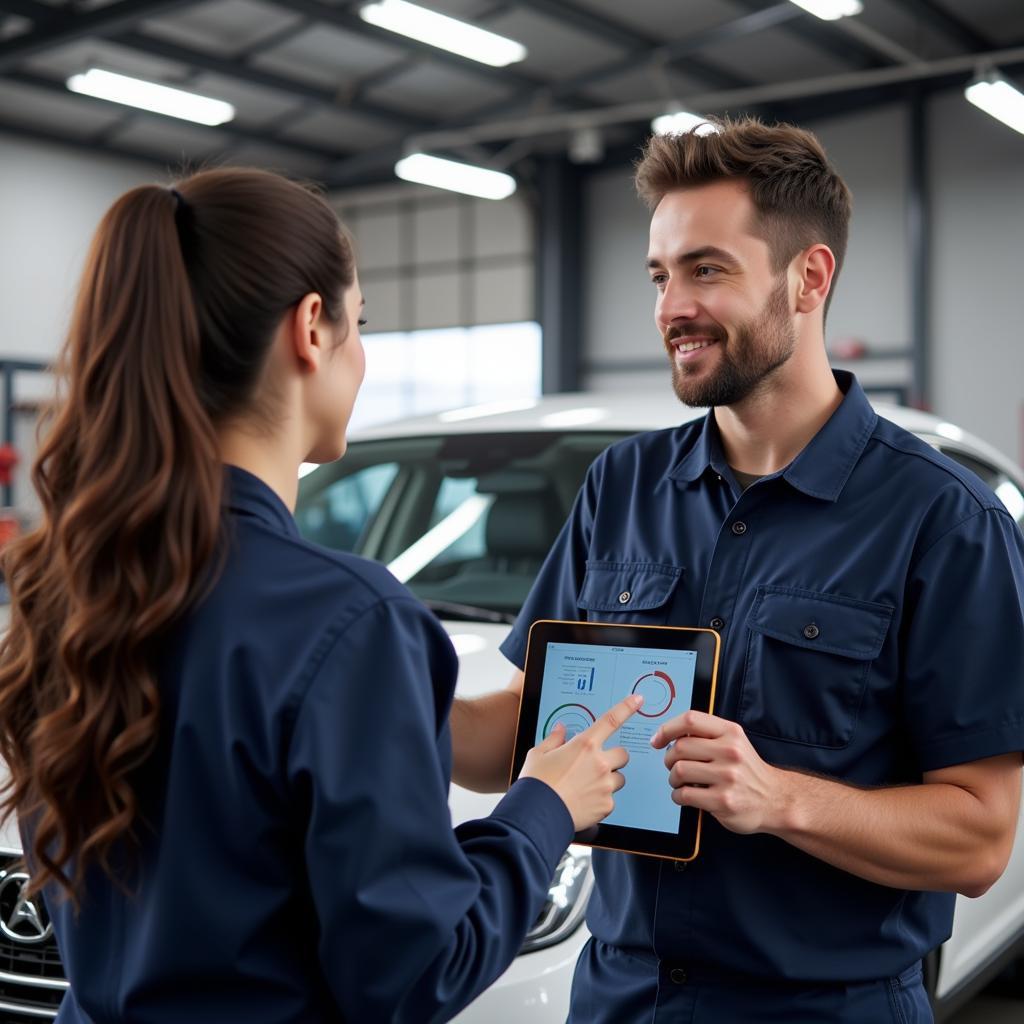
467, 612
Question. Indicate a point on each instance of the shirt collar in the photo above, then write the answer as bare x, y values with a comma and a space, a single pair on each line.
248, 495
823, 467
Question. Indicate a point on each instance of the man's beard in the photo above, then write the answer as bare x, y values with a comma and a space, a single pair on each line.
759, 347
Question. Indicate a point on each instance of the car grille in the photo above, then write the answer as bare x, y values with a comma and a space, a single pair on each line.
32, 982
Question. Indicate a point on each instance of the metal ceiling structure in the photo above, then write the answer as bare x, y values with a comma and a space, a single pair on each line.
321, 93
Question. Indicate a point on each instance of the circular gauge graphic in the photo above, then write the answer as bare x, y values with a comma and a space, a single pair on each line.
658, 692
575, 718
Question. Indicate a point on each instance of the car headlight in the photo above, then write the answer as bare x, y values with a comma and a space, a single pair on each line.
566, 903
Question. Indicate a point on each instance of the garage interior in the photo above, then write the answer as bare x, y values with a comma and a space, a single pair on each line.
478, 301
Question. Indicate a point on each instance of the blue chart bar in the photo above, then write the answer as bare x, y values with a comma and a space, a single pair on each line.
583, 683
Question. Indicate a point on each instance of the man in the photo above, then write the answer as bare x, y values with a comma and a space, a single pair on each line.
863, 763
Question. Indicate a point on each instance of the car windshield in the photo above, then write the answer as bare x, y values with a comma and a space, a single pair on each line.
463, 520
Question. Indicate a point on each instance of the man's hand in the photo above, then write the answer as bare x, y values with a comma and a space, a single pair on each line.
483, 735
713, 766
952, 832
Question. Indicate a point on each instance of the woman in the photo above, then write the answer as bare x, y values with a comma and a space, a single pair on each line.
228, 747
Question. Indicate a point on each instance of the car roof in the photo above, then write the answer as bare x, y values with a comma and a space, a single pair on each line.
635, 411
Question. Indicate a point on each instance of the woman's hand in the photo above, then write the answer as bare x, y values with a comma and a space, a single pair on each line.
581, 772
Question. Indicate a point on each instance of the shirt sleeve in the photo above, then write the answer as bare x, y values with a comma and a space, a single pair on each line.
415, 919
964, 654
555, 590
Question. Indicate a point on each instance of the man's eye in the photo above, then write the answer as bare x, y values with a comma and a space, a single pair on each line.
363, 323
658, 279
705, 271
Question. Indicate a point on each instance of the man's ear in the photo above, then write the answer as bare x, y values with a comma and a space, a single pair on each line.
816, 267
306, 336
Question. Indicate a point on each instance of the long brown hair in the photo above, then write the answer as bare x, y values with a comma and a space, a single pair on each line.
182, 292
799, 196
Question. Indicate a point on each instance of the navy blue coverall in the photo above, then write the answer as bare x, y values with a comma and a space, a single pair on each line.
869, 598
298, 863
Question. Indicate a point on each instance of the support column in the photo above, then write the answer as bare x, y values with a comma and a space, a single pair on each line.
559, 273
919, 238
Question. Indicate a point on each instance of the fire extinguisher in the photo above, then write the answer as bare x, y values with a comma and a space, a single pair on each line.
9, 458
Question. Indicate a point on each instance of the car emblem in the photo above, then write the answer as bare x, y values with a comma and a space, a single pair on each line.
22, 919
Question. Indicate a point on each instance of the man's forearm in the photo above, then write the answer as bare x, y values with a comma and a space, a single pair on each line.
483, 737
933, 836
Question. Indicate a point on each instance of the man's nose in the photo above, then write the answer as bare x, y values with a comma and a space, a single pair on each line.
676, 304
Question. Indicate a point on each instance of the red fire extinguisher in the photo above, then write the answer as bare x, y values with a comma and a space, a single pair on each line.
9, 458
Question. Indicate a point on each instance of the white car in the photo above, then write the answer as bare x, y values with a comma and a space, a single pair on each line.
463, 507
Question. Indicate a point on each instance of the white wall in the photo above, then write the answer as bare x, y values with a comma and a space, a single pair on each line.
431, 259
51, 200
978, 300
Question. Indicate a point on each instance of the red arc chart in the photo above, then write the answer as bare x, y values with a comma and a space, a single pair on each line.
658, 692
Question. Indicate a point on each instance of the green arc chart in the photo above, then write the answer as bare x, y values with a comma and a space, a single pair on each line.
575, 717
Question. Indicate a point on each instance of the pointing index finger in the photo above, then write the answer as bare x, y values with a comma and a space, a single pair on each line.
615, 716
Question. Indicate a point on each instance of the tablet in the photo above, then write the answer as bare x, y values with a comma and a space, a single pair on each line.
575, 671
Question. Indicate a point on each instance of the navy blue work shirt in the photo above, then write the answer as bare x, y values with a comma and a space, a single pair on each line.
869, 598
301, 865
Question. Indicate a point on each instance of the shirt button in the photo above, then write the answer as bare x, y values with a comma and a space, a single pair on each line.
811, 631
624, 597
739, 528
680, 865
716, 623
678, 975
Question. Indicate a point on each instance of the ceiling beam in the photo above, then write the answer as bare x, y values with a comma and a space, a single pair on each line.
233, 67
826, 36
331, 99
643, 48
231, 129
649, 52
53, 27
350, 22
949, 24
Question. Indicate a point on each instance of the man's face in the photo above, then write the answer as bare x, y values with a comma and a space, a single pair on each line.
723, 314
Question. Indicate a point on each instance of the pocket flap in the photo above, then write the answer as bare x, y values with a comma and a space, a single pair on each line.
627, 586
821, 622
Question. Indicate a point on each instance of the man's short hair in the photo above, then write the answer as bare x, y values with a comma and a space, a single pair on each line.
798, 195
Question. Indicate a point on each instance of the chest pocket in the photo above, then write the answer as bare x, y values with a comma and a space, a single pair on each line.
638, 592
807, 663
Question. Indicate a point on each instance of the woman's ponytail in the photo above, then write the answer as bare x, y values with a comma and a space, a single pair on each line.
173, 322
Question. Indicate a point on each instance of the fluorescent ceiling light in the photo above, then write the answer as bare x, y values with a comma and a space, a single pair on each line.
443, 32
831, 10
996, 96
680, 122
455, 176
161, 99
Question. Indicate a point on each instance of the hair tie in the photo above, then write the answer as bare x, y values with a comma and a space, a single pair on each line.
182, 212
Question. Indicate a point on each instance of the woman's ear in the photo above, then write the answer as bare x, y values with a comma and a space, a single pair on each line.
816, 268
306, 335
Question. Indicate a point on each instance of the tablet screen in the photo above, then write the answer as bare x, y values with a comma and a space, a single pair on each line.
581, 682
575, 671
